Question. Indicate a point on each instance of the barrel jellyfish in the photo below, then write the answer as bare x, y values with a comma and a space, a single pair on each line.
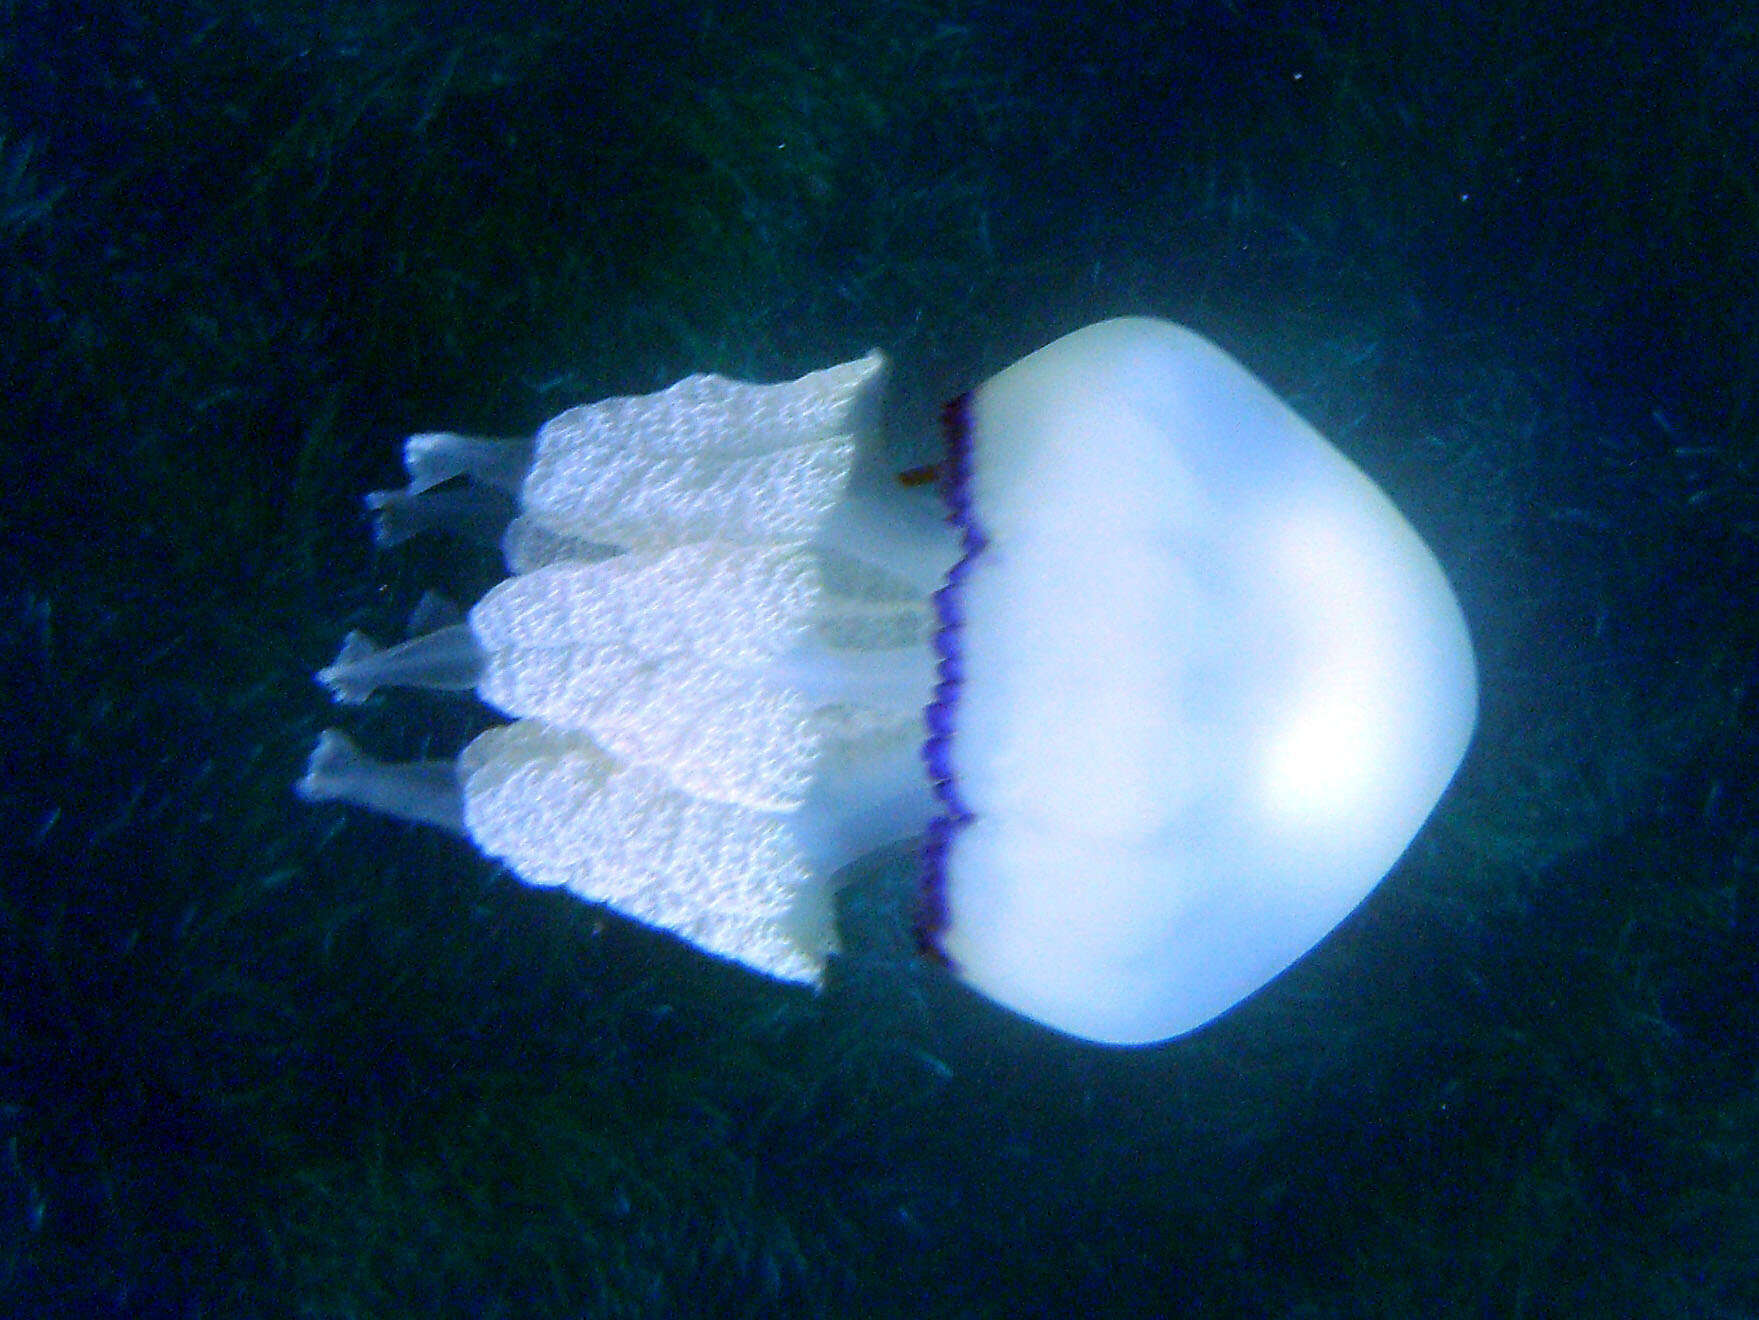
1167, 686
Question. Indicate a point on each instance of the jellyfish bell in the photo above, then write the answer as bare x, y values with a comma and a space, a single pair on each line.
1169, 692
1206, 684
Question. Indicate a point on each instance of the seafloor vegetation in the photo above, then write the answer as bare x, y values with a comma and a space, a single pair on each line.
261, 1059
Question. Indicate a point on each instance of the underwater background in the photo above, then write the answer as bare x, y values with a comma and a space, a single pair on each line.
259, 1058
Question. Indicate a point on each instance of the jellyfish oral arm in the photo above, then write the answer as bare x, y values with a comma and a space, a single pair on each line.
713, 709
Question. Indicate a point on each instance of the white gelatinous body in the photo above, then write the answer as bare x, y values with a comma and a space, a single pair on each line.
1204, 686
1213, 684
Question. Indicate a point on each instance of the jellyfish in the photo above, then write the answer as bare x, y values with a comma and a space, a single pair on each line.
1164, 683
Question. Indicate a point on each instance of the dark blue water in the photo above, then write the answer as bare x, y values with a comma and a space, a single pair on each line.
259, 1058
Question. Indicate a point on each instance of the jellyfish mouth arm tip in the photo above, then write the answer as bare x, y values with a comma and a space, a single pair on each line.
424, 792
446, 659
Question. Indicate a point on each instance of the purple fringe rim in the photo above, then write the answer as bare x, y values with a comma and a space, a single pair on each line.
930, 918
